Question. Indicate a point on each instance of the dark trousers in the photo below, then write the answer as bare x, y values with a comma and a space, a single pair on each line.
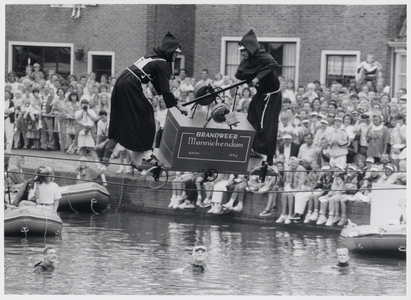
104, 154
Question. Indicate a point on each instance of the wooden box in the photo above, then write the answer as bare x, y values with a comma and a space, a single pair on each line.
187, 146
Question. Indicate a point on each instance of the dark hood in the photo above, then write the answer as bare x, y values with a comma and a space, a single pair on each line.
249, 41
168, 46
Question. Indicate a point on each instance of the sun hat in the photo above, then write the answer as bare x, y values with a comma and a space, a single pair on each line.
287, 136
370, 160
324, 121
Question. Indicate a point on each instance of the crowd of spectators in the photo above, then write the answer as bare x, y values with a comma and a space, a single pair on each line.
335, 137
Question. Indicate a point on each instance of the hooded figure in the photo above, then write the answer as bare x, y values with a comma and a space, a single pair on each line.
265, 106
132, 122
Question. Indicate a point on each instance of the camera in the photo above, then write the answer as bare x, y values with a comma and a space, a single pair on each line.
84, 106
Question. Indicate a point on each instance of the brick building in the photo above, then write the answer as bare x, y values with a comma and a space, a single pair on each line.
324, 42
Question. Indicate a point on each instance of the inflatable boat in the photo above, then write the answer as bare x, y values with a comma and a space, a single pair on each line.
31, 220
385, 240
84, 197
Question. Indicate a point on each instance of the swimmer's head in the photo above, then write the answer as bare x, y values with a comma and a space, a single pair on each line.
199, 254
50, 254
342, 255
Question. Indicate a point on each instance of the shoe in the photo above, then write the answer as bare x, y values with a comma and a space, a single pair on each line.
129, 170
296, 217
217, 209
210, 211
336, 219
281, 219
191, 205
287, 220
152, 161
321, 220
182, 205
314, 216
177, 202
120, 170
172, 201
307, 218
238, 207
144, 172
265, 213
329, 222
103, 168
206, 203
227, 207
342, 221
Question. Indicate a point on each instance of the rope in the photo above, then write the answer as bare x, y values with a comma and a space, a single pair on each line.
121, 193
120, 164
91, 204
146, 187
68, 198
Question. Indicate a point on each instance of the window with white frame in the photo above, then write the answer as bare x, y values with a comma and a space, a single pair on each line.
50, 56
101, 63
339, 66
400, 70
284, 50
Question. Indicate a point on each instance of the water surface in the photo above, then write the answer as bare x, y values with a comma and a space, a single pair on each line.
130, 254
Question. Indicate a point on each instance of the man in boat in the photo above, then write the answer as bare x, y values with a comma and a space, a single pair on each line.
47, 265
43, 192
259, 66
132, 122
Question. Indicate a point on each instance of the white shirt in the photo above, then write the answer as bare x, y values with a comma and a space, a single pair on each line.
102, 128
86, 120
47, 193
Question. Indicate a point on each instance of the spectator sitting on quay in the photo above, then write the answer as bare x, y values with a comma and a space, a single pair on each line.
294, 181
302, 197
327, 184
351, 181
275, 191
178, 184
85, 173
364, 194
236, 187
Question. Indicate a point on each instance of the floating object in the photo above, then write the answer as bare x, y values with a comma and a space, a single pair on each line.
31, 220
84, 197
384, 240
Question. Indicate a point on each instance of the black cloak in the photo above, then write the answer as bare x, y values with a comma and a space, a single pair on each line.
132, 122
265, 106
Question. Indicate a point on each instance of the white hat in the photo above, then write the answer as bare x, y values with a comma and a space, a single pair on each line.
178, 50
314, 113
324, 121
370, 159
338, 119
287, 136
306, 121
241, 47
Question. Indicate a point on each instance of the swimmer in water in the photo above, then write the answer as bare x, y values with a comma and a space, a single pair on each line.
47, 265
343, 257
199, 258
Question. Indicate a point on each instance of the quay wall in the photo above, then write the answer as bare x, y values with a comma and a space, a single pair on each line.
130, 193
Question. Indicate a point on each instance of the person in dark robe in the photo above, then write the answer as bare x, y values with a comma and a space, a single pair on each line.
132, 122
259, 66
